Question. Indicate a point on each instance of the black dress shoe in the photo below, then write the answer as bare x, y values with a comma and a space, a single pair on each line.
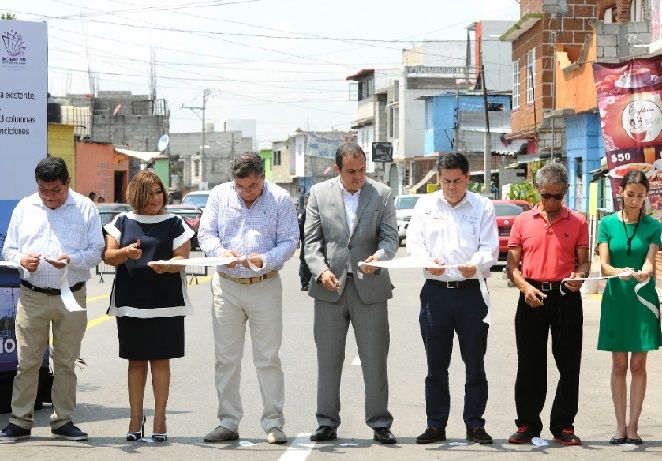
324, 434
432, 435
383, 435
478, 435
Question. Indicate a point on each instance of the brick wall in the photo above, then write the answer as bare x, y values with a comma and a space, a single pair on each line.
568, 29
530, 6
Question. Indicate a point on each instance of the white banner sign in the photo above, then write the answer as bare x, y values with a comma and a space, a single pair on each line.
23, 99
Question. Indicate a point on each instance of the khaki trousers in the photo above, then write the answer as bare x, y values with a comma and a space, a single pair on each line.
261, 305
37, 313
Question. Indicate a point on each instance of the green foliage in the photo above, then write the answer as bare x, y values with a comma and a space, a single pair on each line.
524, 191
476, 187
8, 16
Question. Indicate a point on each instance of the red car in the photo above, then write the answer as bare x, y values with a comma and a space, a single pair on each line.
506, 211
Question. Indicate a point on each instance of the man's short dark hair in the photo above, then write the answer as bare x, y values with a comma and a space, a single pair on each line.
453, 161
245, 164
348, 149
51, 169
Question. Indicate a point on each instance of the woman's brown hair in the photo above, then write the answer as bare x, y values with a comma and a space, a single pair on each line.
140, 187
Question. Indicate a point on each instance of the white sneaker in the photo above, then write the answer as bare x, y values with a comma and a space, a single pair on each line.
276, 435
221, 434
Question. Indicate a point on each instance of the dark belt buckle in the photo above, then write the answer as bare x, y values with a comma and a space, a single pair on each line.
546, 286
452, 285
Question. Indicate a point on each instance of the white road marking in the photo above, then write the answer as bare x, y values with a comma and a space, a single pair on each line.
299, 448
356, 361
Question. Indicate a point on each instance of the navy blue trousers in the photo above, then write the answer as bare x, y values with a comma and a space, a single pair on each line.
444, 312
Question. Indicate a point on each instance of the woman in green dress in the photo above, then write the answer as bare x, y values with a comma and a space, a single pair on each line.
628, 241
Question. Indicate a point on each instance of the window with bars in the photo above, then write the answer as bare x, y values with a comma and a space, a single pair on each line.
530, 74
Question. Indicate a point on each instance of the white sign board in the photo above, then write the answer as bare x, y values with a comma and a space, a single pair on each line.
23, 99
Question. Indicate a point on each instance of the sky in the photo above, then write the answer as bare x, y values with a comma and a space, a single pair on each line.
280, 62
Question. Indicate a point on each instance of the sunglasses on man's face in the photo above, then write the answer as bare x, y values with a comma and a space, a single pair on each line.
547, 196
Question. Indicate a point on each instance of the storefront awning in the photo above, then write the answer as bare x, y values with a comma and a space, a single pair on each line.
144, 156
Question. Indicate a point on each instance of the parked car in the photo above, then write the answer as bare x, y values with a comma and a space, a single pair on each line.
404, 209
506, 211
107, 211
196, 199
191, 216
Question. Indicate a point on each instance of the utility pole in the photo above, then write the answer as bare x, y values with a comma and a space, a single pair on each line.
203, 108
487, 146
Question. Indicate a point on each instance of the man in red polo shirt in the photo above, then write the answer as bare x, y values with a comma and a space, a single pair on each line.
551, 243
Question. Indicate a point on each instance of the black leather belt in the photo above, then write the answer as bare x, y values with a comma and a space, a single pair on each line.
470, 283
545, 286
50, 291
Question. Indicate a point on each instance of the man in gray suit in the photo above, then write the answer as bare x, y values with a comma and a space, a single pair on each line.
351, 219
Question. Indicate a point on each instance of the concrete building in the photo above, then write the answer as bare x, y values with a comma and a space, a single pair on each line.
219, 149
248, 128
120, 118
102, 170
312, 157
543, 26
267, 155
391, 105
280, 166
455, 122
612, 40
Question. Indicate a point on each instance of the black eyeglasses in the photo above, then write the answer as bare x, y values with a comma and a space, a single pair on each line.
547, 196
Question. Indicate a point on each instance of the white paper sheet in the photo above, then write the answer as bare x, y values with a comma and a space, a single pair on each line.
408, 262
652, 307
214, 261
65, 292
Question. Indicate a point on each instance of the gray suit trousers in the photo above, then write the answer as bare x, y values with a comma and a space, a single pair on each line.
371, 329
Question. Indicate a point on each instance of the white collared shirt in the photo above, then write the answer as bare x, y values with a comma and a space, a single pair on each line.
351, 206
73, 229
464, 234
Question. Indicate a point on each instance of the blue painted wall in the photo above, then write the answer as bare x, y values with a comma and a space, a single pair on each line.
584, 140
441, 132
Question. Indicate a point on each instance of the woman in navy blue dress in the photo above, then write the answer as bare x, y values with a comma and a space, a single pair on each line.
149, 301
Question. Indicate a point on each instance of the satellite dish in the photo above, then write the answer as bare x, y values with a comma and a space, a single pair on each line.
163, 142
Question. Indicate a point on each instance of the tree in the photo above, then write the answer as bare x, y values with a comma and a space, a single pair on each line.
8, 16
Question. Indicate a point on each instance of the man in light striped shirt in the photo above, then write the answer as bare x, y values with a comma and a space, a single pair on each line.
255, 222
52, 233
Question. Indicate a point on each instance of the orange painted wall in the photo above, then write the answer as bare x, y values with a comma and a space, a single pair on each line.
576, 89
96, 165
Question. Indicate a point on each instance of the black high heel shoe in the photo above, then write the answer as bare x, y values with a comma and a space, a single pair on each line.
160, 437
135, 436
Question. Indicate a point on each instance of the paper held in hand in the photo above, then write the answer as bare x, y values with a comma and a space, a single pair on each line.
408, 262
215, 261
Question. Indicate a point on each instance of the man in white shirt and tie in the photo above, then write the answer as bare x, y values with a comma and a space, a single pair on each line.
454, 227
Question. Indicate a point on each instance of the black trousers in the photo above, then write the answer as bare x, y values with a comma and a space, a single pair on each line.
304, 272
562, 315
445, 311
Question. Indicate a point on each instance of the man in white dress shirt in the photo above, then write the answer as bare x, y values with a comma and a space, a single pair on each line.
53, 232
255, 221
454, 227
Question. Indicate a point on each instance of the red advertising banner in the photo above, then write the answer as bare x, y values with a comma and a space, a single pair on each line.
630, 104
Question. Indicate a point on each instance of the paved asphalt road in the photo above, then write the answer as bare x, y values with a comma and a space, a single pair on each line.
103, 407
